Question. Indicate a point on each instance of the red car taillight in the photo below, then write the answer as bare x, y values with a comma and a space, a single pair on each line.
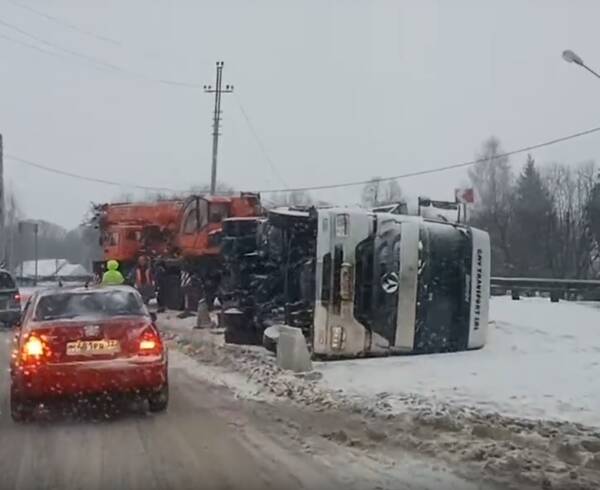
34, 350
16, 300
150, 343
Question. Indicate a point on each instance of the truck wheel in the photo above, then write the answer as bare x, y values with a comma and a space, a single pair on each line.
21, 410
159, 401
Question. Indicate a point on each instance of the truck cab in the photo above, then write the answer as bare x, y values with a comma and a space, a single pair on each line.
389, 283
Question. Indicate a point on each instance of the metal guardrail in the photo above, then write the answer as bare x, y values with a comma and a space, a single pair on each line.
556, 288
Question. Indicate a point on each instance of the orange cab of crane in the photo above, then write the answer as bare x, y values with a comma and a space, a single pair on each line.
202, 219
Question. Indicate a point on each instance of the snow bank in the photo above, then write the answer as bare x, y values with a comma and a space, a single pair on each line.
417, 408
542, 360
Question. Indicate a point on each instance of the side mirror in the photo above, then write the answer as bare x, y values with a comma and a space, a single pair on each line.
153, 316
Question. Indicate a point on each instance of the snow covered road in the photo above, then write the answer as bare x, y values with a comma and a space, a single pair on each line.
542, 360
207, 439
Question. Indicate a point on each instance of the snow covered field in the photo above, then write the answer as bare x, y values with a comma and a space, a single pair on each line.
542, 360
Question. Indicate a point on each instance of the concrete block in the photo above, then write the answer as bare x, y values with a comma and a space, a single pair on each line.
292, 351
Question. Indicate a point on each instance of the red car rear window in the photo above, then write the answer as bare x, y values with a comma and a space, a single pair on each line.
94, 303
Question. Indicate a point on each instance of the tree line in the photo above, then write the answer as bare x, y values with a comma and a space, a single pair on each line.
543, 221
78, 245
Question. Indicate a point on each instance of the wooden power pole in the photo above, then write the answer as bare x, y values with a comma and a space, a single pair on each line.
217, 90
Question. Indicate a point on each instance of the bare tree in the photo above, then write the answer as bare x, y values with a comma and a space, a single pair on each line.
222, 189
124, 197
292, 198
377, 192
493, 180
574, 251
11, 224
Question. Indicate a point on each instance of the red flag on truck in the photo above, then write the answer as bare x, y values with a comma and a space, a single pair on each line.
464, 196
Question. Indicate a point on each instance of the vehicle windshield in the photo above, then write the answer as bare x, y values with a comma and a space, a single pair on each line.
97, 304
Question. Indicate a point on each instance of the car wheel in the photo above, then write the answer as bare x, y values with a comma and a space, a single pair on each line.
159, 401
21, 410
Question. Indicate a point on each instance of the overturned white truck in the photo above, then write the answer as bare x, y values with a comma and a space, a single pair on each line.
357, 282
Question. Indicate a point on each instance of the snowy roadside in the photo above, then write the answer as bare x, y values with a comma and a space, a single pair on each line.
542, 361
516, 450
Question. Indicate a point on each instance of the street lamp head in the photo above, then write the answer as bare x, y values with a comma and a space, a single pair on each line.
570, 57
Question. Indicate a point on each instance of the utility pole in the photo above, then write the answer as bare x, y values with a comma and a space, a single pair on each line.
35, 232
2, 218
217, 90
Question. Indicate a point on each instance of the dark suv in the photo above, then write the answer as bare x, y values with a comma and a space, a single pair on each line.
10, 300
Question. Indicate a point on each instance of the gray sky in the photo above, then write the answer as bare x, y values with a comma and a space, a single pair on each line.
337, 90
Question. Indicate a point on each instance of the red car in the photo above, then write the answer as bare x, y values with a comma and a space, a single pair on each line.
87, 341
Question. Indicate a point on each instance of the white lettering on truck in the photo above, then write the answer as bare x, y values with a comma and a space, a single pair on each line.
478, 287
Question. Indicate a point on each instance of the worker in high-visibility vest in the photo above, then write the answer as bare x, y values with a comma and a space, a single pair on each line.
112, 276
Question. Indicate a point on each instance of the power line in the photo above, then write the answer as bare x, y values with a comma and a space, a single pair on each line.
316, 187
58, 47
440, 169
65, 23
73, 175
97, 62
259, 141
30, 46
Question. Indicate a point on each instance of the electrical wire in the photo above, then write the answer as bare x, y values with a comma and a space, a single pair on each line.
65, 23
259, 141
318, 187
68, 51
73, 175
30, 46
97, 62
439, 169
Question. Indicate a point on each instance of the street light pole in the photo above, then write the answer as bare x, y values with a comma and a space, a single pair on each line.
35, 232
570, 57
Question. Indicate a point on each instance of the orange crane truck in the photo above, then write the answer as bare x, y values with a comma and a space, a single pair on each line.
180, 236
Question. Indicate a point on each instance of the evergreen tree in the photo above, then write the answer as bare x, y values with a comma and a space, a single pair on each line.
533, 216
